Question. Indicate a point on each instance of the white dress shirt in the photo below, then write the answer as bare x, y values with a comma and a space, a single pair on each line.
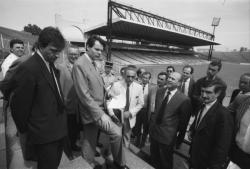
8, 62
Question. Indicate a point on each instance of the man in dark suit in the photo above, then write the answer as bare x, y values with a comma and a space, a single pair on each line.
70, 97
213, 69
168, 122
187, 83
240, 108
243, 86
37, 101
90, 90
142, 121
211, 131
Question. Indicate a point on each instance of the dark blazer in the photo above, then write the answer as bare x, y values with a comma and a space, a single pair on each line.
234, 94
35, 106
190, 87
197, 90
211, 140
176, 116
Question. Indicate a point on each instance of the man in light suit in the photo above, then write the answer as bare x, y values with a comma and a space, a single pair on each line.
36, 101
240, 108
168, 122
130, 95
90, 90
211, 131
70, 97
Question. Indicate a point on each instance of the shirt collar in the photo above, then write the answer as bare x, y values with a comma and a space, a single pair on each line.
210, 104
46, 63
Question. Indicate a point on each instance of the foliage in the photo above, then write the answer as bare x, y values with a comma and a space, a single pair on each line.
33, 29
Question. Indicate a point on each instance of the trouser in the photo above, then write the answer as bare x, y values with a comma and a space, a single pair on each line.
49, 155
73, 129
112, 130
141, 123
161, 155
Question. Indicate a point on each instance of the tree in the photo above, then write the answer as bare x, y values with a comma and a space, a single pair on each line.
33, 29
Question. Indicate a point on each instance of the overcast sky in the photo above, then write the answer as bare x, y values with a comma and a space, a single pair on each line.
233, 31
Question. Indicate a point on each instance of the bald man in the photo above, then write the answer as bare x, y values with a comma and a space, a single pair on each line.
171, 116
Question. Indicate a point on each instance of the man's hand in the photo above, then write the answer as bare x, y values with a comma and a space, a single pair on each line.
127, 115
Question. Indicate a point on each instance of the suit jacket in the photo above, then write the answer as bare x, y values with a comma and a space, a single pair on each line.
69, 93
197, 90
238, 108
89, 87
190, 87
135, 97
151, 100
6, 85
212, 139
35, 104
176, 116
234, 94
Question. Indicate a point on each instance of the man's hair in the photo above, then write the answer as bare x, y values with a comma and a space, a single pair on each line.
189, 66
15, 41
216, 62
172, 67
218, 86
51, 36
146, 73
91, 41
139, 71
129, 68
163, 73
122, 70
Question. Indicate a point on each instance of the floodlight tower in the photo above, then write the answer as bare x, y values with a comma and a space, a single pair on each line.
215, 23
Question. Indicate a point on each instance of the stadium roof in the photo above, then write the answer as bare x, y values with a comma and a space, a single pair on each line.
128, 29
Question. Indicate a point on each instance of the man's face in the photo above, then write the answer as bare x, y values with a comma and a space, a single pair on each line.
73, 54
50, 53
208, 95
145, 78
95, 52
161, 80
18, 49
212, 71
173, 80
244, 84
170, 70
107, 69
129, 76
186, 73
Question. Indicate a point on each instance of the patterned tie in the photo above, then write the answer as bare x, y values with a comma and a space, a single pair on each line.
127, 98
162, 109
199, 115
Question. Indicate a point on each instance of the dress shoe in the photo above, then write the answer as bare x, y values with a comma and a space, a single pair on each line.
117, 166
75, 148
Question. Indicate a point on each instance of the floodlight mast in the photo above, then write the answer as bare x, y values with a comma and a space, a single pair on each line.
216, 22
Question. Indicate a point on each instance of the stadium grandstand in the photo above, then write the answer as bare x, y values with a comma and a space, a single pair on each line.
138, 37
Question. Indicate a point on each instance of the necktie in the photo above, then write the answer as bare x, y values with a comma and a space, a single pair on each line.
162, 108
183, 86
127, 98
55, 81
199, 116
143, 88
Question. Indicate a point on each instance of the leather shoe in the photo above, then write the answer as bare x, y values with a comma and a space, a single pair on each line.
76, 148
120, 166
